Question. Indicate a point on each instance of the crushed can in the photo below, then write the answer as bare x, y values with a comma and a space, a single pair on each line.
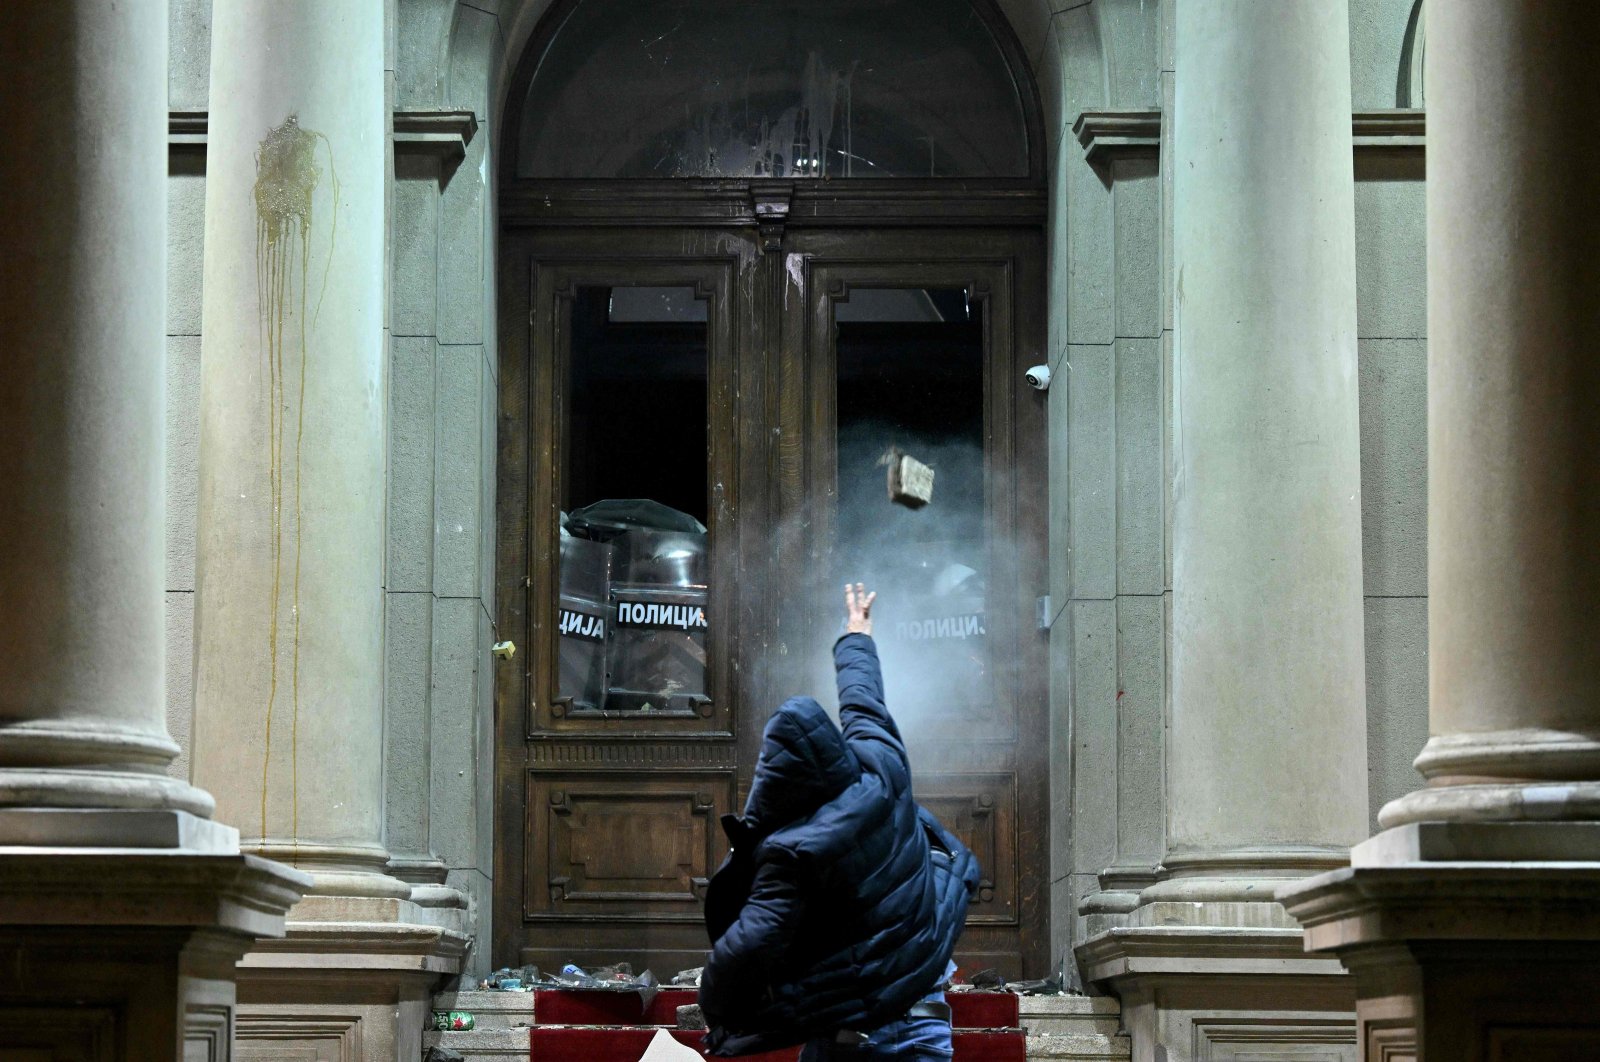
453, 1021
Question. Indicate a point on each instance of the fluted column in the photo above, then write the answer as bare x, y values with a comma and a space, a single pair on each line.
1513, 416
1267, 749
82, 383
289, 610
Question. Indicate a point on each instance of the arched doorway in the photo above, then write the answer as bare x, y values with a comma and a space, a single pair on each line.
746, 249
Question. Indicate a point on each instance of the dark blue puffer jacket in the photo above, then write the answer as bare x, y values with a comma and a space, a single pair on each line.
841, 900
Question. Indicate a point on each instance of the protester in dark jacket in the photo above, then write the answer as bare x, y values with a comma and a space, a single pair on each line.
841, 900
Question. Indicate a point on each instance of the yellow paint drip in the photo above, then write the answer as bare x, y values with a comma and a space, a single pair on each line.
287, 175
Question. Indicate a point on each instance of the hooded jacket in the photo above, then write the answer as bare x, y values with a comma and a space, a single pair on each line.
841, 900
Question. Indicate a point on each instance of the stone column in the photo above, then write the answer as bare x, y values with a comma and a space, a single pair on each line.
1266, 744
1472, 922
81, 396
290, 545
289, 607
1267, 748
1513, 419
118, 895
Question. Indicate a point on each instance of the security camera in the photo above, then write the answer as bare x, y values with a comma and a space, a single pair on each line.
1039, 377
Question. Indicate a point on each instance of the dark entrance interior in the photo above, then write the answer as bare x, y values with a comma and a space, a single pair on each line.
701, 370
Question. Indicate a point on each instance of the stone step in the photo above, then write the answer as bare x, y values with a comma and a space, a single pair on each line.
1071, 1015
505, 1010
490, 1010
1069, 1006
552, 1043
1059, 1027
484, 1045
481, 1044
1074, 1027
1086, 1046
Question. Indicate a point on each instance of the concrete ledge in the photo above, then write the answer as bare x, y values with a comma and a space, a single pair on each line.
1119, 132
115, 828
442, 133
1448, 901
364, 966
1211, 951
238, 893
1068, 1006
1104, 133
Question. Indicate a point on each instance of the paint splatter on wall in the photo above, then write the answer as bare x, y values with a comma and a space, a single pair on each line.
288, 173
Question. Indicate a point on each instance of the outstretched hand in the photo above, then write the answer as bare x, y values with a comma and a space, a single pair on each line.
858, 608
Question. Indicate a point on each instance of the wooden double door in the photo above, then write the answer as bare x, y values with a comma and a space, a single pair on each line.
746, 374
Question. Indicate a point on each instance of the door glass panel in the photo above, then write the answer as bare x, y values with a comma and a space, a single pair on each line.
634, 546
911, 380
775, 88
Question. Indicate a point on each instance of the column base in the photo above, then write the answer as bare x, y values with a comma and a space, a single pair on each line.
128, 953
1209, 966
428, 878
1507, 776
88, 763
1466, 940
338, 869
1192, 993
353, 976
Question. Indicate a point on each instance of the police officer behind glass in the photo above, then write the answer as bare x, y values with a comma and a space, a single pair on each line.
834, 917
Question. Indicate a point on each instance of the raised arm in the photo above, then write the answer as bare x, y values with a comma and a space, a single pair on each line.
863, 715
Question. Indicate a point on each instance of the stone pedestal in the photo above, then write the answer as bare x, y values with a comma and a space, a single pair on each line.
128, 951
1472, 923
1466, 941
354, 976
1237, 991
1266, 747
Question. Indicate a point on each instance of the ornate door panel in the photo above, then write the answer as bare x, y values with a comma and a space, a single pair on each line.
626, 364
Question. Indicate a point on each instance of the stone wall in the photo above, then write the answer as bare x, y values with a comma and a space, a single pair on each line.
1392, 312
442, 414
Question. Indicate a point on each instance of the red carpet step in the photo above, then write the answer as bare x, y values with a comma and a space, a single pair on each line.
972, 1010
563, 1026
553, 1043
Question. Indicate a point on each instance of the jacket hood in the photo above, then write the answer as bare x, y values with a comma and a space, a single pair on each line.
804, 764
